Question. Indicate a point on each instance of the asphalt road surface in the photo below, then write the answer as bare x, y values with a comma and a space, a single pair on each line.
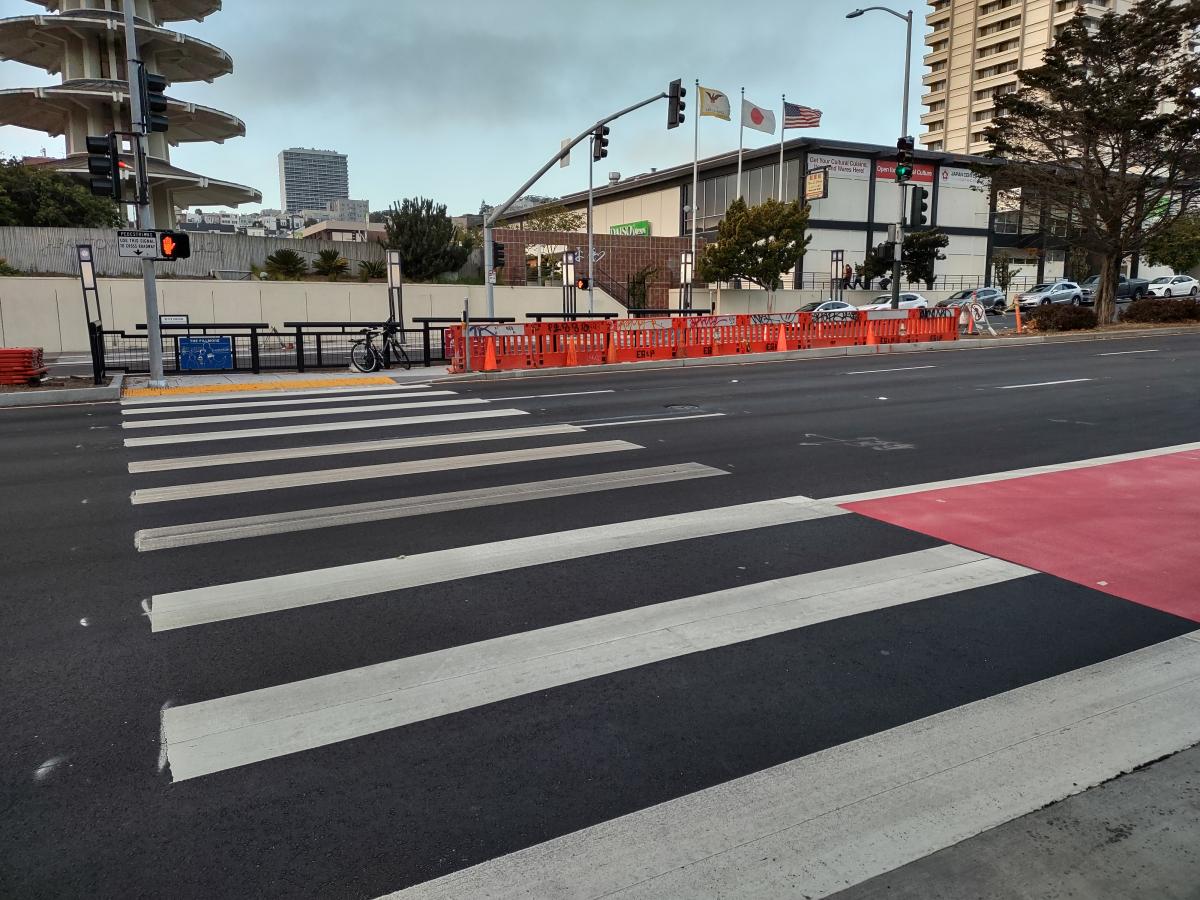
676, 633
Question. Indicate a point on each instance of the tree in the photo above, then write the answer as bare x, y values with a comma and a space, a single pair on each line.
878, 262
1078, 261
638, 287
286, 265
1102, 136
1177, 246
922, 250
756, 243
1003, 271
378, 216
331, 264
33, 196
428, 241
551, 218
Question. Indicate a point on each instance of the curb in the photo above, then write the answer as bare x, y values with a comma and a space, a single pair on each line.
108, 392
274, 384
988, 343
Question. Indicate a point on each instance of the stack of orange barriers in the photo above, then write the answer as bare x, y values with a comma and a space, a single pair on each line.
21, 365
536, 345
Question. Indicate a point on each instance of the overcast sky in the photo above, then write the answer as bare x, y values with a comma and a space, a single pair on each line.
462, 100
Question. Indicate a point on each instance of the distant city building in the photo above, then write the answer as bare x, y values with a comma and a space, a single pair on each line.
343, 210
352, 232
310, 179
467, 221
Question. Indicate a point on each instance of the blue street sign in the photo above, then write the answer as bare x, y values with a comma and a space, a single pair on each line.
206, 352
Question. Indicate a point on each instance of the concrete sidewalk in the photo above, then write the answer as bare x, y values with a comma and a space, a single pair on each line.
233, 382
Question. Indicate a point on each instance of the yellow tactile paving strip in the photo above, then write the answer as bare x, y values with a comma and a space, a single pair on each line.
291, 384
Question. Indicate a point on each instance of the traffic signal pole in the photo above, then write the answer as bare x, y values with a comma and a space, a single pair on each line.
142, 205
490, 219
591, 248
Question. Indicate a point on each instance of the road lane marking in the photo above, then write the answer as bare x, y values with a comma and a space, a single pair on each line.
1126, 352
300, 413
648, 421
172, 536
208, 436
818, 824
1010, 387
1011, 474
170, 464
182, 401
549, 396
361, 473
251, 404
211, 736
217, 603
904, 369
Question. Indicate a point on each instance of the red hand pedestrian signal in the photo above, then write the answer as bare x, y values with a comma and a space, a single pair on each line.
173, 245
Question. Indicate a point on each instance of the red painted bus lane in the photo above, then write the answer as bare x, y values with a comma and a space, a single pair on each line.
1131, 528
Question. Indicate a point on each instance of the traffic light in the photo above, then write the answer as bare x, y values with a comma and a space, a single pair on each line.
600, 143
675, 105
104, 165
497, 255
904, 158
885, 254
173, 245
918, 211
581, 283
154, 104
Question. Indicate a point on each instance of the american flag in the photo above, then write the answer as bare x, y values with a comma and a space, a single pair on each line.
797, 116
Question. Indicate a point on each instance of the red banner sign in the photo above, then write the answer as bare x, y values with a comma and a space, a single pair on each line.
885, 169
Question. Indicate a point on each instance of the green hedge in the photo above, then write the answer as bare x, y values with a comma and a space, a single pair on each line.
1162, 309
1063, 318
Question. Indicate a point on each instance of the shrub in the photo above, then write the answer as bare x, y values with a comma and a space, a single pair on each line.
6, 269
1063, 318
287, 265
1162, 309
331, 264
372, 268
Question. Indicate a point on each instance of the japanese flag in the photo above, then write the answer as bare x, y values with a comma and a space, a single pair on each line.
757, 118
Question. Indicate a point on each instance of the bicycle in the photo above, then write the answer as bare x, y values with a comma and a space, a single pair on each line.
366, 357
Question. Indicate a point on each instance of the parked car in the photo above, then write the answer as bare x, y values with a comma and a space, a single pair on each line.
908, 300
994, 300
1051, 292
824, 306
1174, 286
1127, 288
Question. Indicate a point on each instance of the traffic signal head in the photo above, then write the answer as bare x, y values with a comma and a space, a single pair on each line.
581, 283
918, 213
497, 255
154, 104
904, 158
173, 245
104, 165
675, 105
600, 143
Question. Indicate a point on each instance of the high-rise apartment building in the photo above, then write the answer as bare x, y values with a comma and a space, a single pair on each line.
309, 179
975, 48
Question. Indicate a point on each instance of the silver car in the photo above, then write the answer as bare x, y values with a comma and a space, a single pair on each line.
1051, 292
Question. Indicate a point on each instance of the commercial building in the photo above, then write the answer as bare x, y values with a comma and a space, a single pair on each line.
975, 49
310, 179
83, 42
343, 210
357, 232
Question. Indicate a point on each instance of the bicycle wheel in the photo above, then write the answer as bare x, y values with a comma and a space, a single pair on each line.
400, 355
363, 357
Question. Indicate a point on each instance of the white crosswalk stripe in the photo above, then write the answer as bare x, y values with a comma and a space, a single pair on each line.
207, 737
299, 413
184, 401
273, 403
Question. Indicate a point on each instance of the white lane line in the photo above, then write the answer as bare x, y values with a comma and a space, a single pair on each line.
304, 401
1126, 352
215, 735
200, 606
648, 421
382, 470
300, 413
428, 440
321, 428
551, 396
1013, 387
1011, 474
182, 400
821, 823
902, 369
172, 536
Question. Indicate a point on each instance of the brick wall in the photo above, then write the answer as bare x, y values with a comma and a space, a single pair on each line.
624, 256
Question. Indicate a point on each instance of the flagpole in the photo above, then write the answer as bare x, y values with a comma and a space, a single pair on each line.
695, 171
741, 135
782, 129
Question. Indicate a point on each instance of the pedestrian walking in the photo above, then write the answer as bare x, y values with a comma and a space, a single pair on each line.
847, 276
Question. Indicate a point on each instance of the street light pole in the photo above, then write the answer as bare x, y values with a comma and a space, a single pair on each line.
900, 223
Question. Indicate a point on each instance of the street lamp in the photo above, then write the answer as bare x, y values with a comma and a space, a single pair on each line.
907, 19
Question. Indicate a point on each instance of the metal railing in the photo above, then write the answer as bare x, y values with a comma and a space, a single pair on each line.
326, 345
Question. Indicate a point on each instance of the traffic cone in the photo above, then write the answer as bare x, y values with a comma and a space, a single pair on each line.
572, 357
872, 340
781, 344
489, 357
611, 356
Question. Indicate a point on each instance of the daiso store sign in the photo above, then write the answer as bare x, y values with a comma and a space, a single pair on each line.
885, 169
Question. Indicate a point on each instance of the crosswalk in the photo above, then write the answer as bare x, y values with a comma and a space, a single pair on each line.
697, 688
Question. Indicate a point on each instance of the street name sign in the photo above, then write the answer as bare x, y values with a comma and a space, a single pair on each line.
137, 244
